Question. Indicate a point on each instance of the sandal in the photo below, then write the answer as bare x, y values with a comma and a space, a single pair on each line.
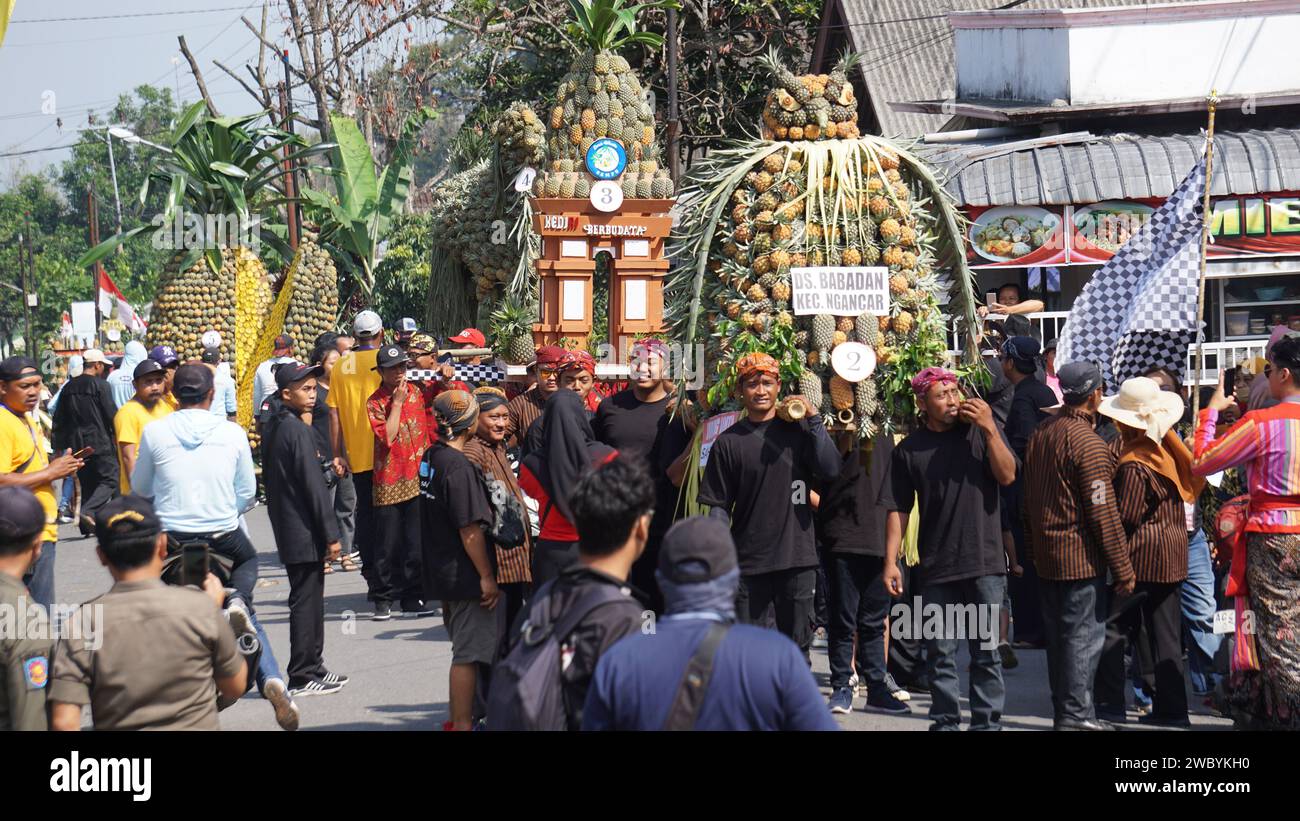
347, 565
328, 568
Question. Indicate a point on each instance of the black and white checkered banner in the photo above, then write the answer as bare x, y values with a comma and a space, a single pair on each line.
1138, 312
465, 373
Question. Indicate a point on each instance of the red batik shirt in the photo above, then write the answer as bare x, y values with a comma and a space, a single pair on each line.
396, 474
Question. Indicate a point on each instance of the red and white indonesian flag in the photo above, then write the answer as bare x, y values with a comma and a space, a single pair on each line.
112, 302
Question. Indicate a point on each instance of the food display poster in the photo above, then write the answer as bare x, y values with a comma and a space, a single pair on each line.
1258, 225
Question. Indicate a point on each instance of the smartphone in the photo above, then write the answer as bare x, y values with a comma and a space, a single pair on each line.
990, 297
194, 563
1229, 381
83, 453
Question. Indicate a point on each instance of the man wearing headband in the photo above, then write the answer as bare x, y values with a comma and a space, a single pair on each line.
527, 408
24, 462
1030, 397
1077, 538
187, 651
760, 473
952, 466
457, 557
636, 422
400, 424
24, 659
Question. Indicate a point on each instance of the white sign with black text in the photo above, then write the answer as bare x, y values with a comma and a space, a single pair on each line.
840, 291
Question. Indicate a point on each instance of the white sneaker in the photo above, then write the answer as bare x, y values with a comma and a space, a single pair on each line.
286, 712
896, 691
856, 684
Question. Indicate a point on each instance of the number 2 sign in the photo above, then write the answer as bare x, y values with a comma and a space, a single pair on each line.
853, 361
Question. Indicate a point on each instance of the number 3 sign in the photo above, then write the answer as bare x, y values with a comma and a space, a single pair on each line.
853, 361
606, 196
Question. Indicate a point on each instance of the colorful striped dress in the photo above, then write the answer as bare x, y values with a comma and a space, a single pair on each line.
1267, 443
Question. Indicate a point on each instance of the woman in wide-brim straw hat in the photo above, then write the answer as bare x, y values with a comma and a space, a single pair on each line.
1155, 493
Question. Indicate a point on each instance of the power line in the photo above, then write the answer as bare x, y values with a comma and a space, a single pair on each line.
125, 16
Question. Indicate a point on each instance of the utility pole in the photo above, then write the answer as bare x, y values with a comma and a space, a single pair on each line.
29, 341
291, 179
674, 162
92, 214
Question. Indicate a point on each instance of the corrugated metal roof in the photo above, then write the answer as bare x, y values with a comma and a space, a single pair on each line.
908, 52
1118, 166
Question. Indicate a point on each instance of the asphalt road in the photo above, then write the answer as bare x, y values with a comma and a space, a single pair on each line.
399, 668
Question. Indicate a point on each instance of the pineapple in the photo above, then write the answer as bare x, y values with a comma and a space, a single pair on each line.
903, 323
583, 188
782, 232
568, 185
898, 284
810, 386
801, 339
865, 399
767, 202
781, 291
662, 187
784, 319
763, 181
823, 330
629, 188
845, 324
773, 163
733, 309
893, 256
907, 236
765, 219
852, 256
866, 330
512, 328
768, 280
841, 393
756, 293
553, 185
890, 231
762, 264
780, 259
838, 338
871, 255
743, 233
879, 207
644, 188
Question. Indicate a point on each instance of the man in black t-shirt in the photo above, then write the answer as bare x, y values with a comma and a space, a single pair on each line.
759, 475
1029, 398
953, 466
636, 422
458, 559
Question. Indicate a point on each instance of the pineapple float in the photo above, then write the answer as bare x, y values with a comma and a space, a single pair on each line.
816, 193
314, 301
601, 97
512, 330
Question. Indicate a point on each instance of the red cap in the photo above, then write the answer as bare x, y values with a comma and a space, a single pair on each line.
470, 336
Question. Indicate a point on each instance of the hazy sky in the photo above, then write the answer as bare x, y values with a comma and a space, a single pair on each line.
86, 64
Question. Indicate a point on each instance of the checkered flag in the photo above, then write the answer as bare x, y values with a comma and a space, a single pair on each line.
1138, 312
466, 373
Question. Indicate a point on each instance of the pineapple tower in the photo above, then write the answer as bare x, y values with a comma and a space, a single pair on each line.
816, 193
601, 97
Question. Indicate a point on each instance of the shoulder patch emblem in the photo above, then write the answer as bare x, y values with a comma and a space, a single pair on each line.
36, 671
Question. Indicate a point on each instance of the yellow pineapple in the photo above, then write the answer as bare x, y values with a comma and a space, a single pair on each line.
841, 393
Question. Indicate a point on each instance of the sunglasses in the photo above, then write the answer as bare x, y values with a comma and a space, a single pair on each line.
548, 372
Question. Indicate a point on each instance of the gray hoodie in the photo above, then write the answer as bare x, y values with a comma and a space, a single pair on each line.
199, 470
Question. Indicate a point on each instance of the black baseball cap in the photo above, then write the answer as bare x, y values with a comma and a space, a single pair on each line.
126, 517
21, 517
290, 373
18, 367
1079, 378
1023, 348
390, 356
193, 382
146, 367
698, 549
211, 356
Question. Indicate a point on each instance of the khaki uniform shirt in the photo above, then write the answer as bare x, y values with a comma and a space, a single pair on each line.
25, 649
163, 649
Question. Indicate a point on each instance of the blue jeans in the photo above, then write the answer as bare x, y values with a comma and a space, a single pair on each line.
66, 487
1198, 614
40, 579
1074, 615
987, 693
267, 667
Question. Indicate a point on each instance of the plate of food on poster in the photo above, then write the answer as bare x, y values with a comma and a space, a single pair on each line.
1022, 234
1102, 228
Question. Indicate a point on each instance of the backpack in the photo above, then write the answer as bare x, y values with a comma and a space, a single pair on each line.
527, 690
510, 520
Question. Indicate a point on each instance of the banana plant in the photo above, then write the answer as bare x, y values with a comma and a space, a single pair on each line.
216, 166
356, 219
609, 24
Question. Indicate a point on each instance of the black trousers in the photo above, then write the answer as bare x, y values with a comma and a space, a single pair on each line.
856, 602
396, 551
364, 535
551, 558
782, 600
306, 622
1026, 601
99, 482
1153, 628
906, 661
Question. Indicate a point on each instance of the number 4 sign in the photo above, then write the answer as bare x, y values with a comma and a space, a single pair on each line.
853, 361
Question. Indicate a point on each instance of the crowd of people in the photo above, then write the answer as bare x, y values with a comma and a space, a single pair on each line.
544, 523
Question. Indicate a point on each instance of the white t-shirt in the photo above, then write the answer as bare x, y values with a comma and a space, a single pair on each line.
264, 381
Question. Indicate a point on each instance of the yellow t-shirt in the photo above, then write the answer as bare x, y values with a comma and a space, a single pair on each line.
20, 437
129, 424
352, 381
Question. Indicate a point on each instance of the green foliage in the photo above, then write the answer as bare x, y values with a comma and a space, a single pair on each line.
358, 217
609, 24
402, 276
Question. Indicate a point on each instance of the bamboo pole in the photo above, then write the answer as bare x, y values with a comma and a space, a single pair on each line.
1206, 217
